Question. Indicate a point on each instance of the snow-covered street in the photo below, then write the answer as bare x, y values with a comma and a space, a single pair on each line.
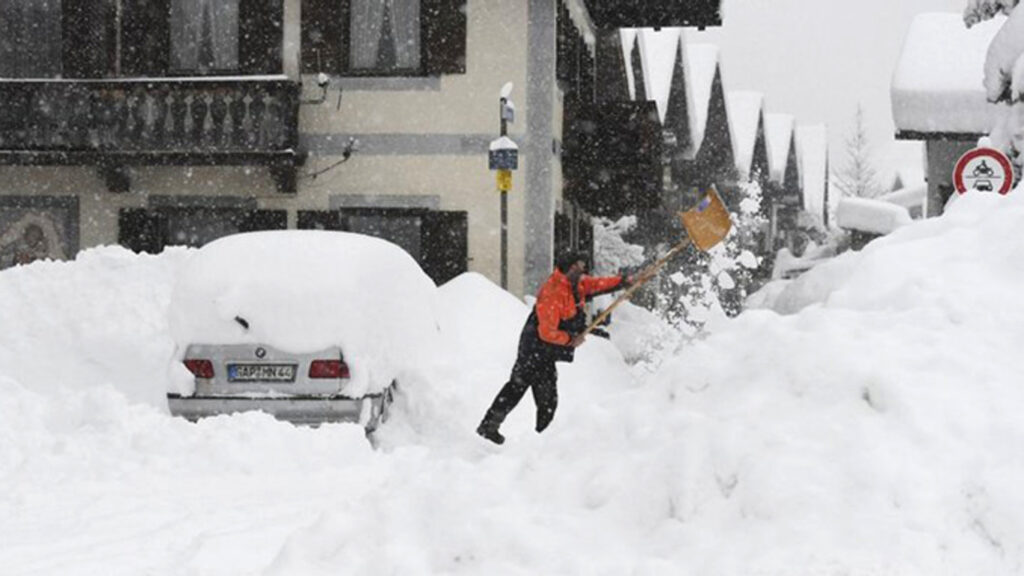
868, 424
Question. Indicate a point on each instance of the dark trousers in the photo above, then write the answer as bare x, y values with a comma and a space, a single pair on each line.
535, 371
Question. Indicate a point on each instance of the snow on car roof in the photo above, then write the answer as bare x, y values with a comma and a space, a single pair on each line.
305, 290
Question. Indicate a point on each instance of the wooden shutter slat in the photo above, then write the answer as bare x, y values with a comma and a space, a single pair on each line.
444, 36
145, 37
319, 220
258, 220
445, 245
323, 33
87, 28
260, 36
140, 230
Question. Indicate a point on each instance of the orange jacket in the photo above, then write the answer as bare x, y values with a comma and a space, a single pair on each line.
555, 303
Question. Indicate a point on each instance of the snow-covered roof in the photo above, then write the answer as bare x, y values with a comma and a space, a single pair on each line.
908, 197
939, 84
658, 52
581, 18
908, 176
870, 215
812, 155
778, 135
701, 68
745, 111
628, 37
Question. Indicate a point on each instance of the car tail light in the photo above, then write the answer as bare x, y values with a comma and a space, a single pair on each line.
200, 368
328, 369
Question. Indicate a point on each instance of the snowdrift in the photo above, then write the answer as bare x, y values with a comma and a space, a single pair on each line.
868, 424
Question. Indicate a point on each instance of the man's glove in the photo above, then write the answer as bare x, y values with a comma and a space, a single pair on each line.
627, 278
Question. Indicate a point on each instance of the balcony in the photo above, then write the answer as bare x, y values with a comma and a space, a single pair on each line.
610, 14
113, 123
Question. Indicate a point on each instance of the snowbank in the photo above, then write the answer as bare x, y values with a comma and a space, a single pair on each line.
98, 321
872, 429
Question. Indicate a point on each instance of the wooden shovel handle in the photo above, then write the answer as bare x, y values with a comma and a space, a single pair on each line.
638, 281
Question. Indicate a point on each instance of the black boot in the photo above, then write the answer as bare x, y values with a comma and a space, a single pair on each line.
490, 432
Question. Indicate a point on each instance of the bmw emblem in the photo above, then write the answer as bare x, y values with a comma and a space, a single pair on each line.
260, 352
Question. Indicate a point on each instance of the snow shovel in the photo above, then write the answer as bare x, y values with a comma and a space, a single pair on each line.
706, 224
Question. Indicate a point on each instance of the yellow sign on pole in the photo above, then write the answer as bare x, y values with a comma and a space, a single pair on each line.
504, 180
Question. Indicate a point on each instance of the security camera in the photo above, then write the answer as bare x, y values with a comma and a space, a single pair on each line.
322, 80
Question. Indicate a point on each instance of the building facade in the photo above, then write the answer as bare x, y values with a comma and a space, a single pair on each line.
161, 122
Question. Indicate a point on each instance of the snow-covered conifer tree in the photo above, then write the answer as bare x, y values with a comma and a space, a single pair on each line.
1004, 73
858, 177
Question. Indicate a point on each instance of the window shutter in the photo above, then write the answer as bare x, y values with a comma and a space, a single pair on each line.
258, 220
444, 36
260, 36
88, 32
140, 230
563, 234
319, 220
445, 245
586, 240
324, 30
145, 37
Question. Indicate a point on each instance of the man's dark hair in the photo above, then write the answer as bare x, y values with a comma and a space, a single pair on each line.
565, 260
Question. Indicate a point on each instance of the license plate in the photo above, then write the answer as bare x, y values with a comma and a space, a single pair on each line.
261, 372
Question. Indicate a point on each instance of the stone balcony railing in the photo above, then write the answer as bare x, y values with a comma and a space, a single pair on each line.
152, 121
158, 115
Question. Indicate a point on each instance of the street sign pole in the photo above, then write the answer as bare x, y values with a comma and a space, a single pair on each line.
503, 157
504, 239
503, 192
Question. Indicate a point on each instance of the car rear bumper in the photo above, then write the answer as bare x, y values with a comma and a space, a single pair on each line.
295, 409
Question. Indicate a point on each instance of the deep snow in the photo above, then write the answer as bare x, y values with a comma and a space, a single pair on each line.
870, 424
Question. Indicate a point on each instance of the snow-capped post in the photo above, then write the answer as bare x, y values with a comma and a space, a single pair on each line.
985, 170
504, 158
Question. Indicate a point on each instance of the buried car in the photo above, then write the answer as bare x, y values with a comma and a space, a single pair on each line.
309, 326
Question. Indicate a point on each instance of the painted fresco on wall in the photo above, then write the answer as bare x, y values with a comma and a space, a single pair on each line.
34, 229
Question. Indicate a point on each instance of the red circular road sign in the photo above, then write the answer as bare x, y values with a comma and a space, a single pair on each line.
983, 170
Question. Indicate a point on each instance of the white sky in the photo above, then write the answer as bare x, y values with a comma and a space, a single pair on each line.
816, 59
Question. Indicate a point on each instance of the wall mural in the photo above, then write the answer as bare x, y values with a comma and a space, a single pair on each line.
37, 228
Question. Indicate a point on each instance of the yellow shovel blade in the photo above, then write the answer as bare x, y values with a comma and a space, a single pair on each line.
708, 222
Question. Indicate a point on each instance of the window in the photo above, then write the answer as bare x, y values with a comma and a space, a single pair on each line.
27, 32
198, 226
204, 35
403, 229
438, 240
150, 230
384, 37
